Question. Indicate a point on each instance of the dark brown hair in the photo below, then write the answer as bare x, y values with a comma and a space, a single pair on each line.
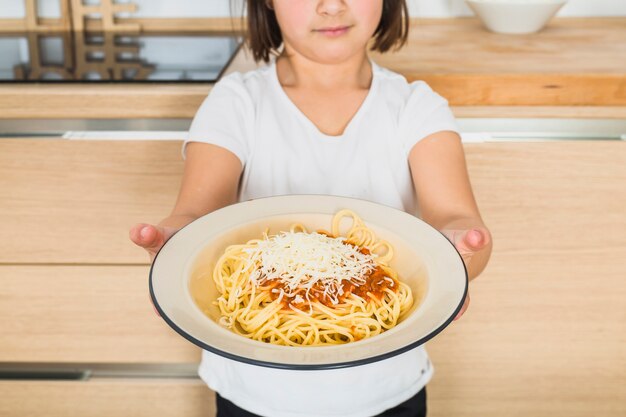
264, 38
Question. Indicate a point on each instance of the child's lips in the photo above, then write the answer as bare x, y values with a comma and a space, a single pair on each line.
334, 31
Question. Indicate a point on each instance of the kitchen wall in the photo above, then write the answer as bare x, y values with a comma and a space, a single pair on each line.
418, 8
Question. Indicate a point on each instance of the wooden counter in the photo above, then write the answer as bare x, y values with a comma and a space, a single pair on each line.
571, 62
575, 67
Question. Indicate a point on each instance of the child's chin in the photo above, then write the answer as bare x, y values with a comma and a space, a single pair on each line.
333, 56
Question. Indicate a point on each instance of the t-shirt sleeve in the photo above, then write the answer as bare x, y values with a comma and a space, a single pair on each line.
224, 118
425, 113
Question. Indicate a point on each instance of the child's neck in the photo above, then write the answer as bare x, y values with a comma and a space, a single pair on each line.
296, 71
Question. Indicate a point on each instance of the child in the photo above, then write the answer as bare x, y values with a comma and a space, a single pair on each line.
322, 118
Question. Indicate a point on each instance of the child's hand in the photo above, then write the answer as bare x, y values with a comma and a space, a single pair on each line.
151, 238
467, 242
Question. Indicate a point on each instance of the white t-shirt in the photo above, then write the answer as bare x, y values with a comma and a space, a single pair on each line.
283, 152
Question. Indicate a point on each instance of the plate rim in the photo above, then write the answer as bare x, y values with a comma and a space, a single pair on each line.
307, 367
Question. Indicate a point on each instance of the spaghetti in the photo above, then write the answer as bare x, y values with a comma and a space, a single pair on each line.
301, 288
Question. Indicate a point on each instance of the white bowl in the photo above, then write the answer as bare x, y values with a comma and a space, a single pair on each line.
515, 16
423, 258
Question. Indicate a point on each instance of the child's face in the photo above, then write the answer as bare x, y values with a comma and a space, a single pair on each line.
327, 31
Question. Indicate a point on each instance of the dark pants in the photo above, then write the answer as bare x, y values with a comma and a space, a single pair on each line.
413, 407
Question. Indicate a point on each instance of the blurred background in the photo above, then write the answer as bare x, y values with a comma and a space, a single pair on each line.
97, 96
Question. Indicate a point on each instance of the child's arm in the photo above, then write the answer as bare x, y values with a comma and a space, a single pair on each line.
445, 197
210, 181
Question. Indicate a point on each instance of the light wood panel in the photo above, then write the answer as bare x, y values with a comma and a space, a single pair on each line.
540, 326
528, 89
544, 335
88, 314
75, 201
106, 397
535, 329
461, 46
583, 112
90, 101
546, 329
90, 192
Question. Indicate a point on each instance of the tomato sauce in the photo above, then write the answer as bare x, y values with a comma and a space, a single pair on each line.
375, 285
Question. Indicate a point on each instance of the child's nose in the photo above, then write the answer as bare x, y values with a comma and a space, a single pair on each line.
331, 7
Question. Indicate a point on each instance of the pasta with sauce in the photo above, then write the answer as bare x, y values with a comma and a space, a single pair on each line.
301, 288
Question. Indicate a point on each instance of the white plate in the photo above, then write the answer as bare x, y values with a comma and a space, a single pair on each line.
424, 259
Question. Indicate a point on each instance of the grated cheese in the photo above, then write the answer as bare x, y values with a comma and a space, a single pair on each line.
300, 261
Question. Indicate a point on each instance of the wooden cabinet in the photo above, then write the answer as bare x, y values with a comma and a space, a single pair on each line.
544, 334
106, 397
